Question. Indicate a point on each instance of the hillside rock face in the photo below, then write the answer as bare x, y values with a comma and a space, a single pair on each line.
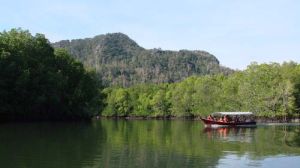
121, 61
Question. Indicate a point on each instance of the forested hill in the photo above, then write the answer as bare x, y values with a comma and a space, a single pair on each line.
121, 61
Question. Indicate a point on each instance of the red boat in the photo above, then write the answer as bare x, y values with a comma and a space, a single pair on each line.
229, 119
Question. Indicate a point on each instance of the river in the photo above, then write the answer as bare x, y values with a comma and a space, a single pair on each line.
146, 143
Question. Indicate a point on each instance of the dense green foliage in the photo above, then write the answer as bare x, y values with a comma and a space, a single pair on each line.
121, 61
269, 90
38, 82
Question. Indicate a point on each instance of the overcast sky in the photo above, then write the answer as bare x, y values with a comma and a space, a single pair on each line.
237, 32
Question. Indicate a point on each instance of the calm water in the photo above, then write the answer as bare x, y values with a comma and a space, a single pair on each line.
109, 143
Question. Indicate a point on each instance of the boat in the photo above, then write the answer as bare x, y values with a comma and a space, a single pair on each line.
232, 119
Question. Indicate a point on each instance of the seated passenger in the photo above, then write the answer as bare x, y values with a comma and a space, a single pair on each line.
236, 119
210, 117
225, 119
220, 120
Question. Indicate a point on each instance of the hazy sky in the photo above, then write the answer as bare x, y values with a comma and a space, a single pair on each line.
237, 32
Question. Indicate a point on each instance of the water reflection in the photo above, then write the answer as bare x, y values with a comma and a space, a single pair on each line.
61, 145
240, 134
111, 143
292, 136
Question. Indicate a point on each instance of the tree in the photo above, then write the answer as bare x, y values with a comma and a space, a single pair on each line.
160, 103
37, 82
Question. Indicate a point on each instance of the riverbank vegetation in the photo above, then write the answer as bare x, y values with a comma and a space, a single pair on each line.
38, 82
268, 90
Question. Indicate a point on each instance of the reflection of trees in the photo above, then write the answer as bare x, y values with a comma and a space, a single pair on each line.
111, 143
157, 144
182, 144
61, 145
292, 136
271, 141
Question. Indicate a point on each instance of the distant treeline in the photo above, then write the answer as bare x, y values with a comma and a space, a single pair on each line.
40, 83
268, 90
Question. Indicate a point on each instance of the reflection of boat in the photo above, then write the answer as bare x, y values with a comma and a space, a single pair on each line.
240, 134
231, 119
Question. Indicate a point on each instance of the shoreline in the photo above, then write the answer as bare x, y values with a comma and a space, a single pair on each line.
197, 118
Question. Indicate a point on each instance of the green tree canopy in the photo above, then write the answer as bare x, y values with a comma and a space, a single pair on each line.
38, 82
269, 90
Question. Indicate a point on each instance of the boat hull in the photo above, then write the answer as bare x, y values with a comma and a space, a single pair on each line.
212, 123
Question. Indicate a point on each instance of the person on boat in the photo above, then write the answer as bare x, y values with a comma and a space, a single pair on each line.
210, 117
236, 119
225, 119
220, 119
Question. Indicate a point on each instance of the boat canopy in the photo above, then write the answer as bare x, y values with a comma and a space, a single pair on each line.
232, 113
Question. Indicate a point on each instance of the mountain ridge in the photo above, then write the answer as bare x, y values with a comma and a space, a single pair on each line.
119, 60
